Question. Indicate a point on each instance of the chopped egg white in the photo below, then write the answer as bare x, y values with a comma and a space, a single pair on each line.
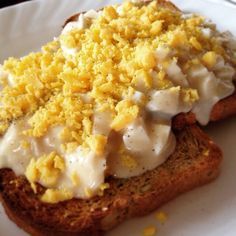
135, 137
6, 77
151, 147
79, 24
208, 87
84, 172
12, 154
176, 75
16, 149
92, 14
102, 122
167, 103
207, 32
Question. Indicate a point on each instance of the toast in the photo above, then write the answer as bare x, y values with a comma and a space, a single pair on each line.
195, 162
223, 109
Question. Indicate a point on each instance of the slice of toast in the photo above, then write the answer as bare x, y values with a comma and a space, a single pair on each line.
195, 162
221, 110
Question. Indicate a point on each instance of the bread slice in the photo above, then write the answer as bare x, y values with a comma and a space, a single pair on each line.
195, 162
223, 109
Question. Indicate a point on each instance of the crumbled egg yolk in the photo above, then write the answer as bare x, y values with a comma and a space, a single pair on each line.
189, 95
55, 195
150, 231
209, 59
102, 188
126, 113
75, 178
112, 59
206, 152
97, 143
128, 161
45, 170
161, 217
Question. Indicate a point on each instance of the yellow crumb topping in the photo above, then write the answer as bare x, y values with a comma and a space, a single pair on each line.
128, 161
209, 59
56, 195
45, 170
189, 95
102, 188
194, 42
25, 144
161, 217
97, 143
150, 231
178, 38
88, 192
206, 152
75, 178
126, 113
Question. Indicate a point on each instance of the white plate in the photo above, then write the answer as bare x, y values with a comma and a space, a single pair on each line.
209, 210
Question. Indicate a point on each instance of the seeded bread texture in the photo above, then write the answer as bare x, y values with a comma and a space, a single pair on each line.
195, 162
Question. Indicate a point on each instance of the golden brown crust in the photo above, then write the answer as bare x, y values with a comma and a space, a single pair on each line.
188, 167
223, 109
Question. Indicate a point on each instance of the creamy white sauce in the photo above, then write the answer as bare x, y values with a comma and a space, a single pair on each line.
17, 157
166, 103
210, 88
187, 15
162, 52
68, 52
11, 153
138, 97
79, 24
92, 14
101, 123
89, 169
207, 32
150, 147
176, 75
6, 77
83, 22
120, 10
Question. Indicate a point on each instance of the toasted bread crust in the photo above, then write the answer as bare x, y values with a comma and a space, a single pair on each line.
195, 162
223, 109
